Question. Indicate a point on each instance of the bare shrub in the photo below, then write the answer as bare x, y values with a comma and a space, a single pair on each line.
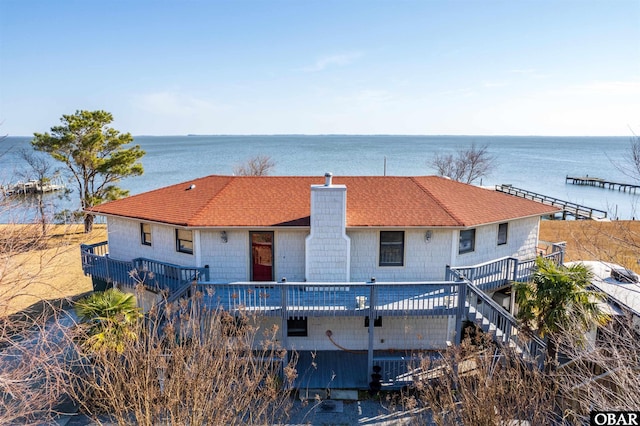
43, 172
34, 344
198, 366
630, 165
20, 261
479, 383
467, 165
603, 375
16, 239
36, 366
260, 165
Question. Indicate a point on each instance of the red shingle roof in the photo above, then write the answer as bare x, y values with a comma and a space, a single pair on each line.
377, 201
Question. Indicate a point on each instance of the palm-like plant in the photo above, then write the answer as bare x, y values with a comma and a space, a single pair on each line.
109, 317
558, 298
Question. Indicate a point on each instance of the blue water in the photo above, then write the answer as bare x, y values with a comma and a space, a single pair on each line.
538, 164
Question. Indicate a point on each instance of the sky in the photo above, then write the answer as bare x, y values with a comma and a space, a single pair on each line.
481, 67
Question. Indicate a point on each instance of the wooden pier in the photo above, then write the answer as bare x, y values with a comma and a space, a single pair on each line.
602, 183
568, 208
30, 187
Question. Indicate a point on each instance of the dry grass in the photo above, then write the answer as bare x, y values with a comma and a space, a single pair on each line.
48, 269
617, 241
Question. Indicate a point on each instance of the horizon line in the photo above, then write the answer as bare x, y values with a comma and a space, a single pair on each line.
355, 134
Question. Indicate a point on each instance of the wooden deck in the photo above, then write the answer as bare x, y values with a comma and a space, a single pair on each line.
602, 183
568, 208
463, 295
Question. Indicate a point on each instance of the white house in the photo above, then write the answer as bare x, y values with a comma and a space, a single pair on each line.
419, 255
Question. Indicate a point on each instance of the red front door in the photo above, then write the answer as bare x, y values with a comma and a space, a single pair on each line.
261, 256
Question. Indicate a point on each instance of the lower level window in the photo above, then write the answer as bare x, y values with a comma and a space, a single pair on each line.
297, 327
376, 322
184, 241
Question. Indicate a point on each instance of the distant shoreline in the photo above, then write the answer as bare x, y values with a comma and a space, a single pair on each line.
358, 135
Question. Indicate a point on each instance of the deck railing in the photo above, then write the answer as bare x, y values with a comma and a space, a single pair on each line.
498, 273
480, 308
301, 299
397, 371
153, 274
486, 276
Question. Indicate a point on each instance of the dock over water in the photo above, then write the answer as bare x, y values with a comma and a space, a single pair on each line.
601, 183
30, 187
568, 208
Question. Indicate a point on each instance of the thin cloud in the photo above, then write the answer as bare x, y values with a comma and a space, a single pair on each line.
491, 84
608, 87
528, 72
368, 96
599, 90
463, 92
173, 104
334, 60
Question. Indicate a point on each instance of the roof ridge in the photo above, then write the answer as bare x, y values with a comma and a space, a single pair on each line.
414, 179
205, 206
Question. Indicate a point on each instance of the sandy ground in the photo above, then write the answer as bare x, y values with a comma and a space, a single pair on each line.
55, 271
51, 272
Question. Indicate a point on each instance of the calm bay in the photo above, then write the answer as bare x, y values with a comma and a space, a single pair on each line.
538, 164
